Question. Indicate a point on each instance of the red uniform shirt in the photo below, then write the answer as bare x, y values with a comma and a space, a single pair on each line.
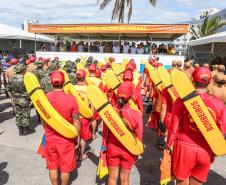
166, 99
184, 129
66, 106
134, 120
137, 97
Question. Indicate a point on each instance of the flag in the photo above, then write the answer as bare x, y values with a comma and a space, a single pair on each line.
102, 169
42, 147
166, 168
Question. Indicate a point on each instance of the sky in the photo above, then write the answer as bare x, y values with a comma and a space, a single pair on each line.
13, 12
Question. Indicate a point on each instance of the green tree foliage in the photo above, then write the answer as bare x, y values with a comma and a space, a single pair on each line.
210, 26
120, 7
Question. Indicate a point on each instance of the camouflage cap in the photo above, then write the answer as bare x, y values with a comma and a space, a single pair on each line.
19, 68
39, 63
69, 65
53, 66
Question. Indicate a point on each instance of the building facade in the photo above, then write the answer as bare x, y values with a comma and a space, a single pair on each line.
181, 43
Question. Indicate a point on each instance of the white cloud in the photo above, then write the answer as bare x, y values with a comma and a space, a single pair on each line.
13, 12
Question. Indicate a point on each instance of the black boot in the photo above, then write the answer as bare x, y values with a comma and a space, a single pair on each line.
27, 131
20, 130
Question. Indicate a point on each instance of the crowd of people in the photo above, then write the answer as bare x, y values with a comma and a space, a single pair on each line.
110, 47
175, 129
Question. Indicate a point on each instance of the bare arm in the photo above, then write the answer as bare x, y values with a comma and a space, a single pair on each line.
76, 122
163, 112
43, 123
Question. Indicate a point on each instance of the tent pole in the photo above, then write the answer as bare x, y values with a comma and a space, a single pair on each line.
151, 46
35, 42
20, 43
88, 44
212, 49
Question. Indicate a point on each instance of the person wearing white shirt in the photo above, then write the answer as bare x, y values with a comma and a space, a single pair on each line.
133, 49
80, 48
140, 49
116, 48
101, 48
126, 48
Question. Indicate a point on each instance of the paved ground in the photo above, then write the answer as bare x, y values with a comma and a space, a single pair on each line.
20, 165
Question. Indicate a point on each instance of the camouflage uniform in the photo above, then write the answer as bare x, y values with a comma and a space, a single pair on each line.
70, 68
20, 99
45, 81
39, 72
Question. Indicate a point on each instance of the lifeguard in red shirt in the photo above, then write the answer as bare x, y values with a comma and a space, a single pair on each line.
137, 97
60, 151
118, 157
85, 133
192, 155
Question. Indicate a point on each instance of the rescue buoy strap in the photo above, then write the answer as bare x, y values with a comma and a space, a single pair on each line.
120, 73
190, 96
68, 82
169, 86
159, 83
33, 91
116, 87
102, 106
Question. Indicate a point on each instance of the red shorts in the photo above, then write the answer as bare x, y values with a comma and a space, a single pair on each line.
119, 157
61, 156
85, 133
190, 160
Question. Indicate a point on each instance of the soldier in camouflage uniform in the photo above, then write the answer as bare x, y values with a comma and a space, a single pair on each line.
70, 68
45, 81
39, 71
20, 99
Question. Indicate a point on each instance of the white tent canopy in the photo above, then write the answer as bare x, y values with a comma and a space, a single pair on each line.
8, 32
216, 38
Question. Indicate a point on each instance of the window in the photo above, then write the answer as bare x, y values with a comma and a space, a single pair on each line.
184, 46
178, 40
177, 46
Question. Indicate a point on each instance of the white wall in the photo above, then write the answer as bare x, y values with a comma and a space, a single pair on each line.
165, 59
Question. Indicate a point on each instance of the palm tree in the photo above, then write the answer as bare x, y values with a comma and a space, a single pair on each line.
119, 8
210, 26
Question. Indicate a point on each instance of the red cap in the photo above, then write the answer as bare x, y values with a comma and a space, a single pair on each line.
133, 63
39, 58
111, 59
128, 76
130, 66
32, 59
103, 68
44, 60
14, 61
56, 58
98, 74
202, 75
27, 62
57, 78
125, 90
92, 68
81, 73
